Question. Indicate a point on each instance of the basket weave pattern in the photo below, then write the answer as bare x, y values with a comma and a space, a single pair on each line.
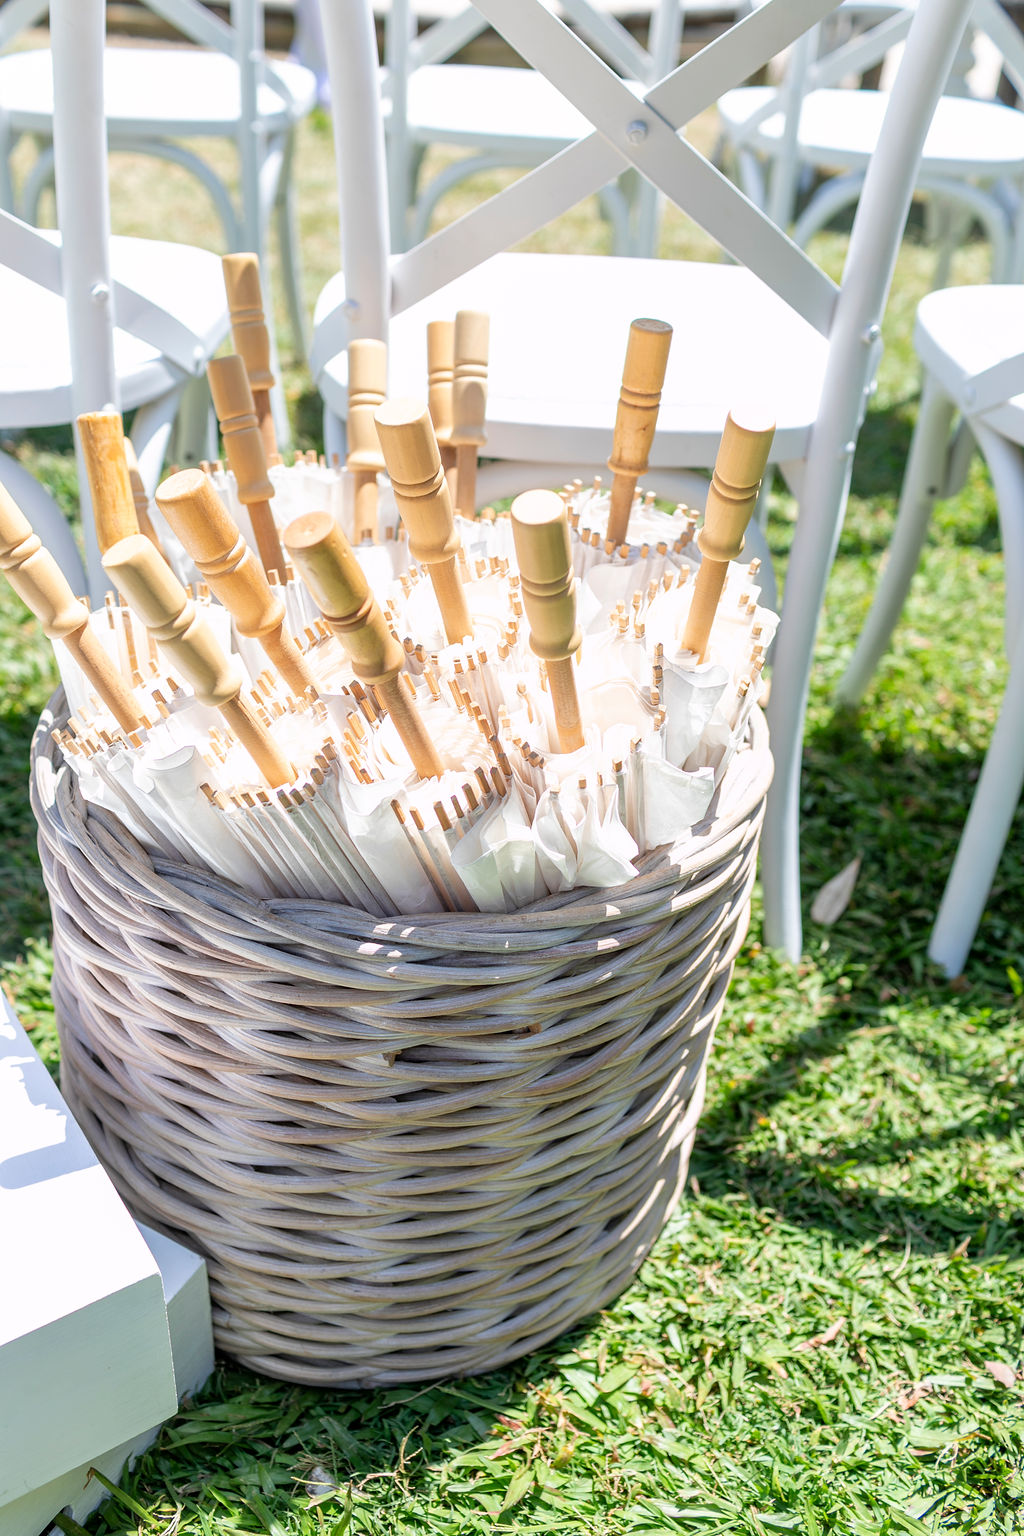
408, 1148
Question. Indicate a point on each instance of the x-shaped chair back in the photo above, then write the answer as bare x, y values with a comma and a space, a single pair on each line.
628, 132
445, 38
240, 39
645, 134
406, 51
78, 269
807, 72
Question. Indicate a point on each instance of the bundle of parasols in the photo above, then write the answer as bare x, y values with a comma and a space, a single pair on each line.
339, 682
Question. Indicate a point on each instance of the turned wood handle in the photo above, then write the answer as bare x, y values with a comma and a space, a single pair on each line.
210, 535
35, 575
324, 559
233, 403
440, 377
250, 335
735, 483
424, 501
139, 495
154, 593
101, 434
643, 375
732, 496
206, 528
540, 528
469, 377
248, 322
367, 388
39, 582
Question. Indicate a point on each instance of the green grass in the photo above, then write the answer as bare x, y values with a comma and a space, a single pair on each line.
811, 1345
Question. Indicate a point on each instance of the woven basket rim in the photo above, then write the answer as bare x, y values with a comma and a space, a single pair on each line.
170, 884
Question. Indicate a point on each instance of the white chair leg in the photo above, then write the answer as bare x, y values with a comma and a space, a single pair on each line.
921, 486
985, 831
1002, 775
958, 460
1006, 466
47, 520
288, 244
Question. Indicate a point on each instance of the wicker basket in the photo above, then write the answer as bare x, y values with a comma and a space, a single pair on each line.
408, 1148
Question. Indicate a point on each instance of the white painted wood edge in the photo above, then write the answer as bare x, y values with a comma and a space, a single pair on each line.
187, 1297
85, 1351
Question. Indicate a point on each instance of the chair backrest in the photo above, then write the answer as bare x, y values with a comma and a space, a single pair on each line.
644, 133
240, 39
79, 267
809, 69
406, 50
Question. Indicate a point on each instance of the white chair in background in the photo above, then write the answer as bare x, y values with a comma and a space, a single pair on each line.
507, 116
157, 97
772, 327
93, 322
965, 338
973, 157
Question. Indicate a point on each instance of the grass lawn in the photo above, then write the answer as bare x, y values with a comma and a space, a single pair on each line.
828, 1336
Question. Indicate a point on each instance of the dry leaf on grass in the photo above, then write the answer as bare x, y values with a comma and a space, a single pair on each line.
913, 1395
824, 1338
834, 897
1004, 1374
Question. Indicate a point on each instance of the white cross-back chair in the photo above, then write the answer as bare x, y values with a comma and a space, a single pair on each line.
969, 342
91, 322
773, 326
507, 116
218, 84
973, 157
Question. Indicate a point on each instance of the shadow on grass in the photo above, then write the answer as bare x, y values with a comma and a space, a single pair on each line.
904, 811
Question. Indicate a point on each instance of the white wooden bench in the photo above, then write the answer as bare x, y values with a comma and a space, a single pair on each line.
104, 1326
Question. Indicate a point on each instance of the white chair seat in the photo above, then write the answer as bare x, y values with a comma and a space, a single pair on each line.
962, 331
177, 92
490, 106
35, 360
553, 378
965, 134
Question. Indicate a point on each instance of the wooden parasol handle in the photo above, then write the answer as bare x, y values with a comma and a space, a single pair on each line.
540, 528
101, 434
154, 593
440, 376
732, 496
210, 535
39, 582
367, 387
233, 402
251, 337
643, 375
139, 496
469, 403
325, 560
424, 501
